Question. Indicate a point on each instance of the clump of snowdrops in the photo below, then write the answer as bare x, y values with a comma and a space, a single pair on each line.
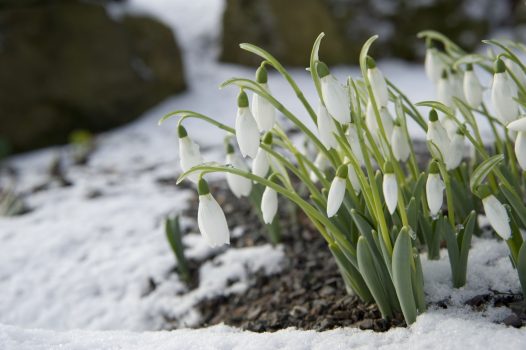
362, 188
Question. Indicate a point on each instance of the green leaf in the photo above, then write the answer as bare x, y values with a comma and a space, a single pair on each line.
314, 58
516, 204
482, 171
364, 52
371, 277
413, 210
464, 242
174, 237
402, 259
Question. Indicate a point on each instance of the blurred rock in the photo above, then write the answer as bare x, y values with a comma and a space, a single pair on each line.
288, 28
68, 65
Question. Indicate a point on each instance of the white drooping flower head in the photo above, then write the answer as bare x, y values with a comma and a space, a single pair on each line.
321, 163
434, 189
445, 90
456, 82
261, 164
269, 204
263, 111
189, 154
353, 176
400, 144
518, 125
326, 128
337, 191
239, 185
210, 217
378, 84
472, 87
335, 95
433, 64
390, 188
503, 94
372, 124
520, 149
496, 213
247, 133
455, 153
354, 142
437, 136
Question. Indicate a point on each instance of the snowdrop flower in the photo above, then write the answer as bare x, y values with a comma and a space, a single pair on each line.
263, 111
239, 185
335, 95
496, 213
456, 82
390, 188
260, 165
353, 177
269, 205
400, 144
372, 124
433, 64
354, 142
455, 153
434, 189
444, 90
378, 84
210, 217
520, 149
247, 133
472, 87
437, 135
188, 153
337, 191
518, 125
502, 95
326, 128
450, 125
321, 163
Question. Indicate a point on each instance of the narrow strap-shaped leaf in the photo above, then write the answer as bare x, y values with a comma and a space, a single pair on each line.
372, 278
464, 243
484, 168
417, 279
451, 238
413, 210
402, 256
516, 204
366, 229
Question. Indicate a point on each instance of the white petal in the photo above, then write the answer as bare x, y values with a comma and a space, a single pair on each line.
379, 86
336, 98
455, 152
352, 137
518, 125
336, 195
240, 186
520, 149
451, 127
260, 165
472, 89
321, 162
263, 111
399, 144
434, 193
502, 97
437, 134
247, 133
353, 178
433, 65
212, 222
269, 205
390, 189
497, 216
326, 128
444, 90
190, 156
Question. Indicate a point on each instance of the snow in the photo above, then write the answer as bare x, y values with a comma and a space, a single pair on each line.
75, 271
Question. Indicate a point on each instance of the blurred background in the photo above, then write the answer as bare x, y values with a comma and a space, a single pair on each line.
69, 65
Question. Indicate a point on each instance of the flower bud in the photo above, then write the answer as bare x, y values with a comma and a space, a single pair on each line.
378, 84
189, 154
352, 176
433, 64
354, 142
260, 165
503, 93
326, 128
269, 205
263, 111
434, 189
400, 144
210, 218
390, 188
337, 191
444, 90
497, 214
472, 87
437, 135
247, 133
520, 149
335, 95
455, 153
239, 185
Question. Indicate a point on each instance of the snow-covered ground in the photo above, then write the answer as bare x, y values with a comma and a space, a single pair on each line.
75, 271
